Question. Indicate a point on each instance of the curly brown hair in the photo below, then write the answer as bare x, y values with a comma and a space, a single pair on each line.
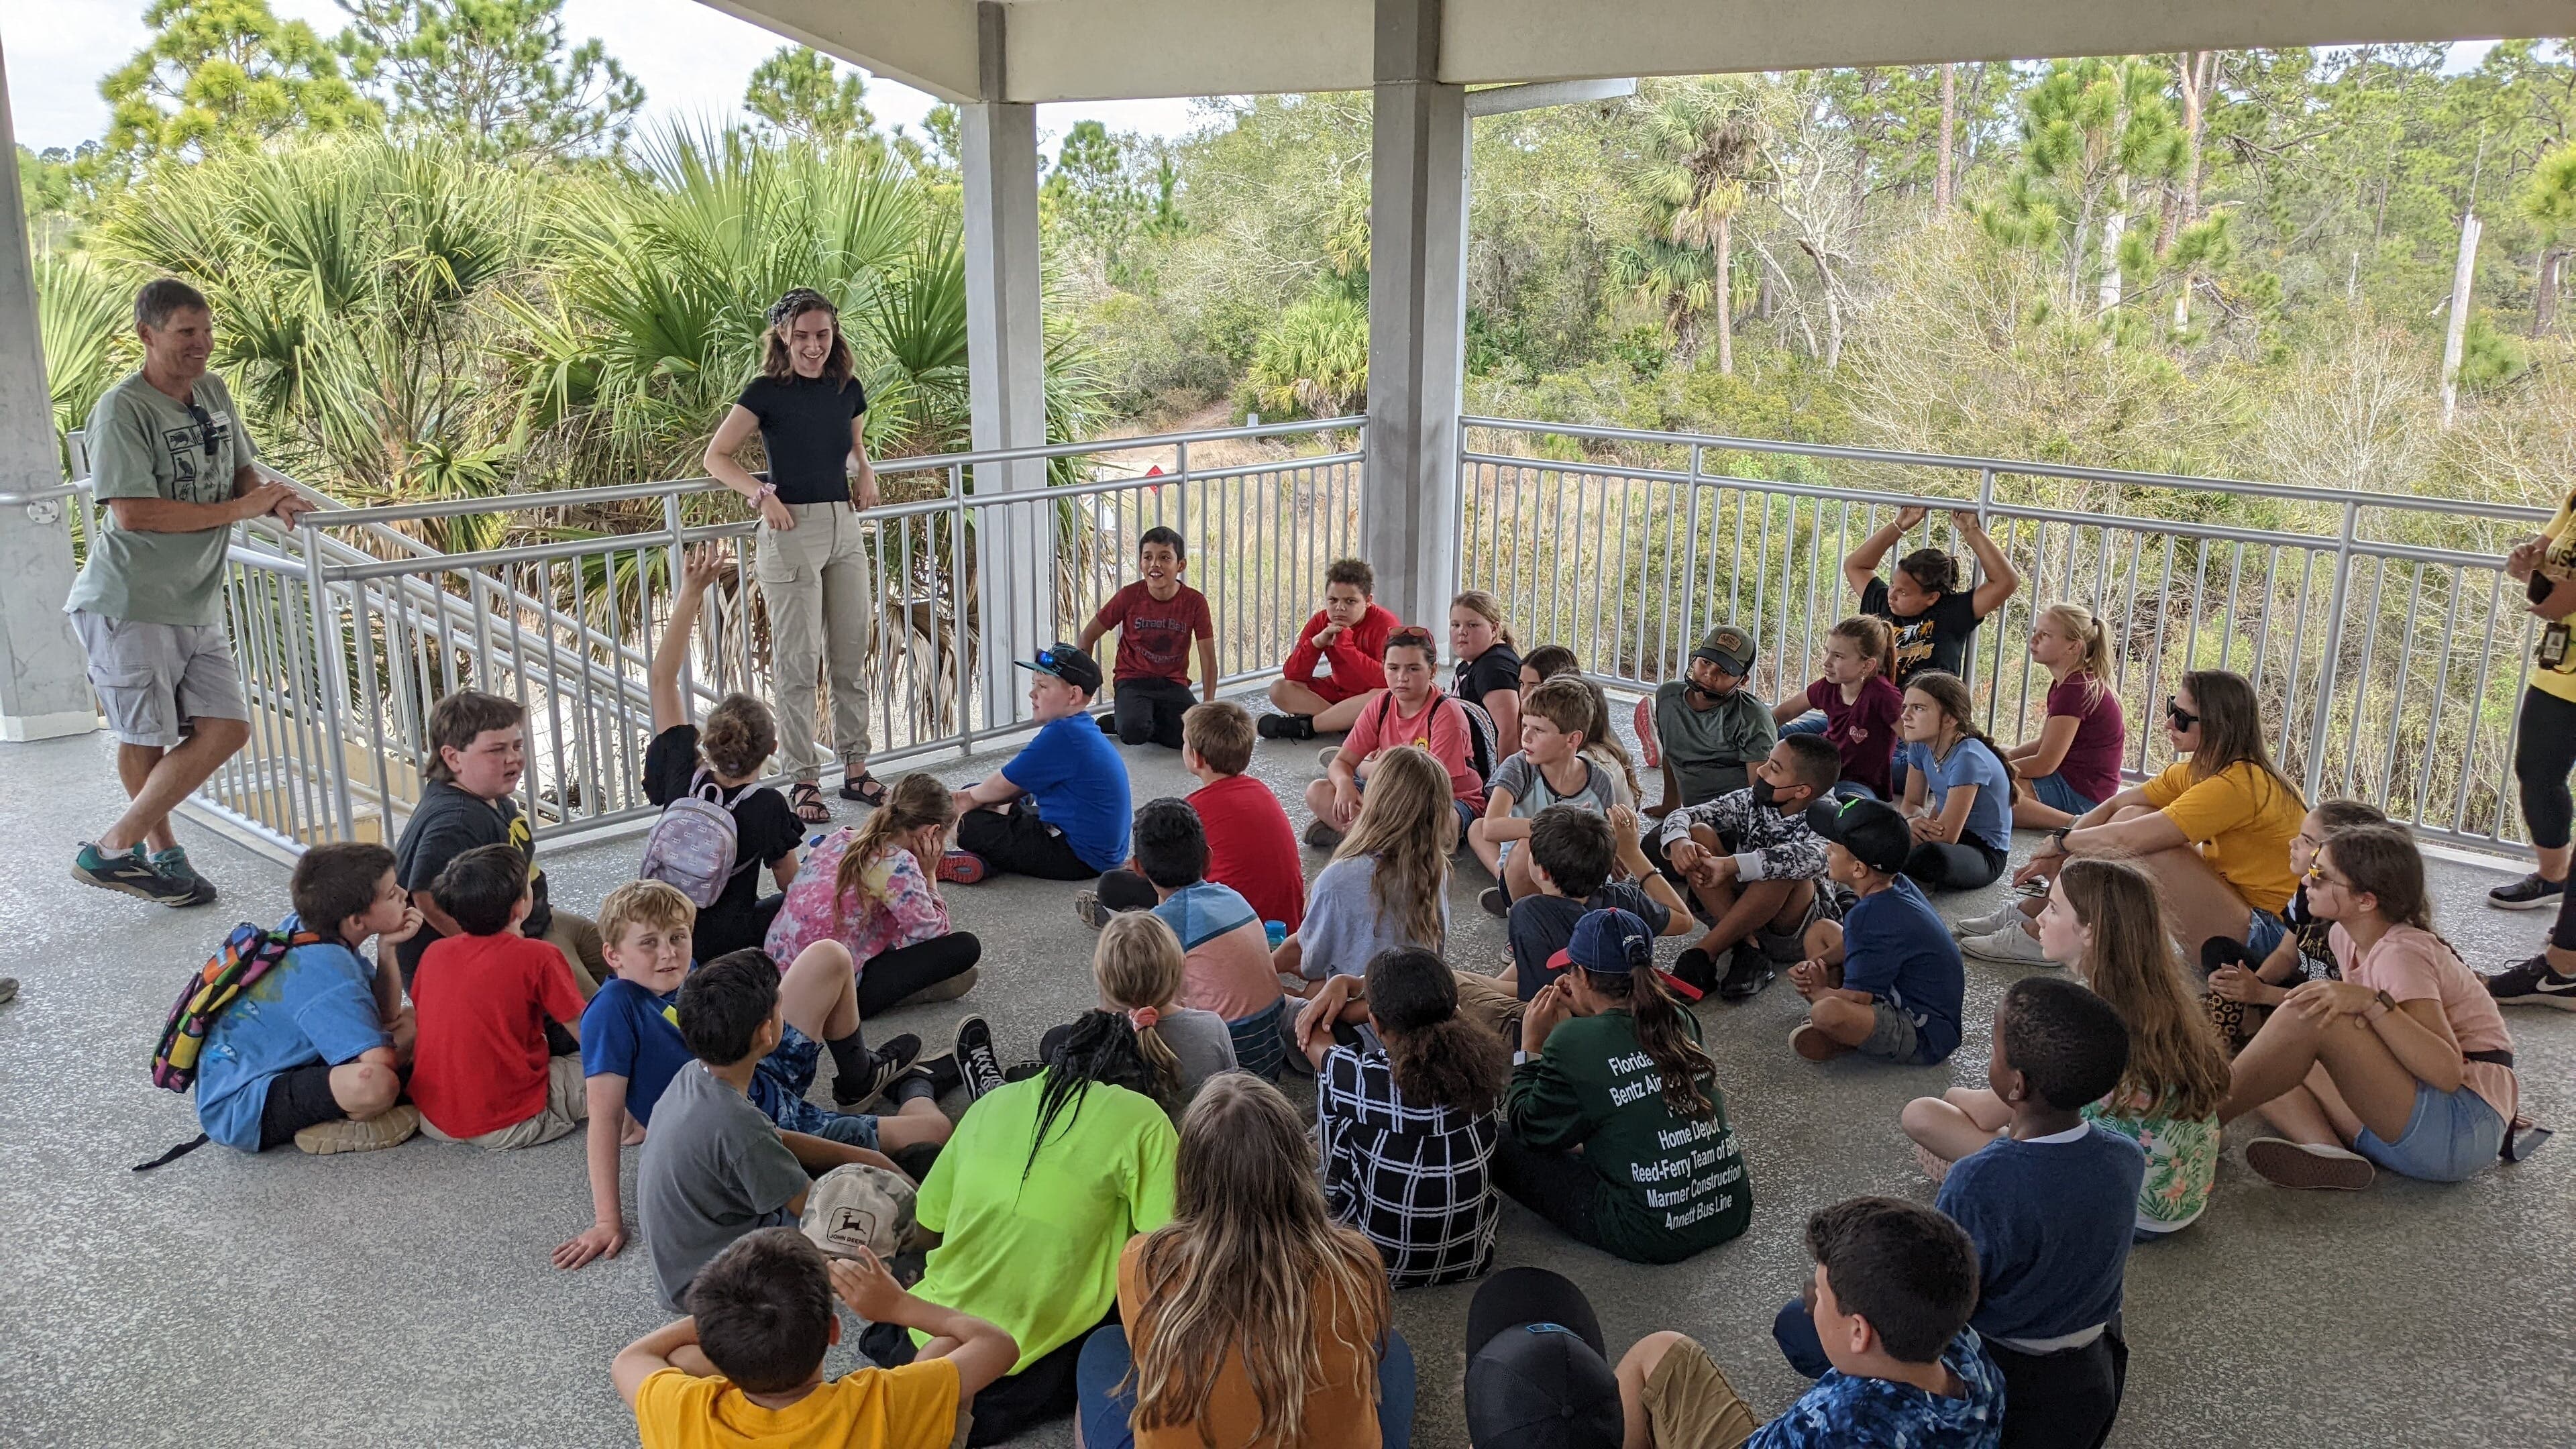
739, 736
1438, 1058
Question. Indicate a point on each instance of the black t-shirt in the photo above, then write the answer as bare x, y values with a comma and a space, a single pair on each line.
447, 823
1541, 925
1937, 638
1497, 668
766, 830
805, 430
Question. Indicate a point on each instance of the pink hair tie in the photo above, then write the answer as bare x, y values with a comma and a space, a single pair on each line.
1143, 1017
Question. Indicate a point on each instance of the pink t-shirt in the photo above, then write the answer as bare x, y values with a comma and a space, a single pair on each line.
1862, 731
1441, 727
2413, 965
2092, 764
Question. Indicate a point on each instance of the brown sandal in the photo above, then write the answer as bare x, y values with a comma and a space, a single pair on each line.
807, 800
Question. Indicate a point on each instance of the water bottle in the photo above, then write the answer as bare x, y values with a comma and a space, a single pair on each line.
1277, 931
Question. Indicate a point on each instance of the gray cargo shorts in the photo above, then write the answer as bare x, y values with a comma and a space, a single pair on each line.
156, 680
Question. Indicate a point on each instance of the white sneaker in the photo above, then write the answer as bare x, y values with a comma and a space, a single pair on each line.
2007, 914
1324, 757
2011, 945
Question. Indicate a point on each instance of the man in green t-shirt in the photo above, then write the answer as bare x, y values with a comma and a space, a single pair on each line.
174, 470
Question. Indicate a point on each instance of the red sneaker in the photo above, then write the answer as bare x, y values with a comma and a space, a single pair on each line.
1647, 751
962, 867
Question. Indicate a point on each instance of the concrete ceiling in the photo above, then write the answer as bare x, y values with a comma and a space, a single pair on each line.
1079, 50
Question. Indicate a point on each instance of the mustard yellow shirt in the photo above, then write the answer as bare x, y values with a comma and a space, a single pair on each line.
2559, 562
2242, 819
913, 1407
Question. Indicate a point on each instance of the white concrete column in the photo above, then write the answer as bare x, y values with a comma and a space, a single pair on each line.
1006, 380
44, 682
1417, 317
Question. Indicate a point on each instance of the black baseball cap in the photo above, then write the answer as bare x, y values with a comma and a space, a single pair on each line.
1537, 1375
1067, 663
1868, 829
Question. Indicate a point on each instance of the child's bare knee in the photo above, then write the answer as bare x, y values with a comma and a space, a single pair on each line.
1923, 1116
824, 958
1822, 937
365, 1089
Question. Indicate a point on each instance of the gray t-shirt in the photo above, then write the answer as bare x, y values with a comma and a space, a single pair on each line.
1711, 751
1201, 1041
713, 1169
145, 444
1531, 793
1343, 927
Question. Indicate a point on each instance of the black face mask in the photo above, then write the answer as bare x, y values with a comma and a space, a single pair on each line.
1703, 691
1763, 795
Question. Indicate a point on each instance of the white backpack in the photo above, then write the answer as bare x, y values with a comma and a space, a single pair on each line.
692, 846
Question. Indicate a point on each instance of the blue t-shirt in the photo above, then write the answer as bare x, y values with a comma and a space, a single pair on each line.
1080, 785
1970, 763
629, 1032
1841, 1411
1896, 948
2052, 1220
318, 1005
1202, 912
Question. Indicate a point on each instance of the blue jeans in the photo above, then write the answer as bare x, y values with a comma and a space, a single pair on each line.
779, 1085
1813, 722
1853, 790
1106, 1416
2052, 791
2450, 1137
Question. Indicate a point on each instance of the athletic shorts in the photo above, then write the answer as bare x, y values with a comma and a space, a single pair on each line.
155, 681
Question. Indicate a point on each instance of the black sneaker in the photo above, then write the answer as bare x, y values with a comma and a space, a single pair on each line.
1495, 902
1748, 970
2531, 893
131, 871
1286, 726
2533, 984
884, 1065
1696, 969
977, 1065
1108, 724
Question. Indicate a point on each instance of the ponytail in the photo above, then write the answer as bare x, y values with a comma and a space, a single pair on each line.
2091, 637
1661, 1035
1139, 966
1437, 1057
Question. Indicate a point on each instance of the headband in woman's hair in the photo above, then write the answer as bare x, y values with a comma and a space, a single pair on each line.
798, 299
1143, 1018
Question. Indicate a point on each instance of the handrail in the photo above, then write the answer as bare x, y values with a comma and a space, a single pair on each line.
2016, 467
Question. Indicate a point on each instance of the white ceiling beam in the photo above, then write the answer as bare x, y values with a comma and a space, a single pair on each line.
1538, 95
926, 44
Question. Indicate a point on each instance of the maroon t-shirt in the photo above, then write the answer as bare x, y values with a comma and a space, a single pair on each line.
2092, 764
1863, 731
1251, 848
1154, 634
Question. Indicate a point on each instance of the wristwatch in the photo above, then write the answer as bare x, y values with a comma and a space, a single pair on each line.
2379, 1007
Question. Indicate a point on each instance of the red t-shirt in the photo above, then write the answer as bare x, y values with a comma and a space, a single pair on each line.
1251, 847
1863, 731
1154, 634
2092, 764
1440, 727
482, 1003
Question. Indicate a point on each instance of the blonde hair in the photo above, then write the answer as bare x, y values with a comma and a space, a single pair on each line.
1250, 1270
1138, 966
1482, 602
2080, 625
2176, 1066
644, 902
1408, 826
1870, 634
917, 800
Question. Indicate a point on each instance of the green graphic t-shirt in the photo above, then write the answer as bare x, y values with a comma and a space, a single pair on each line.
144, 443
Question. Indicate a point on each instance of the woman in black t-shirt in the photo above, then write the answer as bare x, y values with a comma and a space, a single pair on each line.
1489, 662
814, 569
1932, 615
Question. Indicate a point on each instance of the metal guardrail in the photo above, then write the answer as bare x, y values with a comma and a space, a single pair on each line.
2390, 667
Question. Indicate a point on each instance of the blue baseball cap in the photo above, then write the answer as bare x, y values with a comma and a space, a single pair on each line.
1608, 943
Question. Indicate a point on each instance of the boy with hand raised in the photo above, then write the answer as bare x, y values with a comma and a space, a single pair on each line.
1156, 617
1886, 981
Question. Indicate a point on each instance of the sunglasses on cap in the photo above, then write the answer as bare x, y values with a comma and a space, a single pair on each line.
2180, 718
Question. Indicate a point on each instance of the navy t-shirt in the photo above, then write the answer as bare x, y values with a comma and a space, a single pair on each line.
805, 431
2052, 1220
1081, 788
1896, 948
629, 1032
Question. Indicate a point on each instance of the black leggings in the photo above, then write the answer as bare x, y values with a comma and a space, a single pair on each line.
887, 980
1960, 867
1148, 711
2543, 752
2062, 1400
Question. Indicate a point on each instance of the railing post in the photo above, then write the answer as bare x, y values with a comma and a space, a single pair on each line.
957, 555
2323, 716
1181, 510
329, 644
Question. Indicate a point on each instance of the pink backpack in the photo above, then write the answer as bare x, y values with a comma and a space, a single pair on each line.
692, 846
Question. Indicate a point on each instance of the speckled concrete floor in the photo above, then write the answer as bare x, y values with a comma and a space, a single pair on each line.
406, 1297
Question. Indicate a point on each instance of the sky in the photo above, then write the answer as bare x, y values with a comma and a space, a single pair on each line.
693, 63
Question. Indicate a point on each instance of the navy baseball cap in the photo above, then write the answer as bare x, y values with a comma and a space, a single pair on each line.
1872, 831
1537, 1375
1067, 663
1607, 943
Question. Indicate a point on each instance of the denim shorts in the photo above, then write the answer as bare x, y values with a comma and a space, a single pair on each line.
2450, 1137
2052, 791
779, 1085
2263, 934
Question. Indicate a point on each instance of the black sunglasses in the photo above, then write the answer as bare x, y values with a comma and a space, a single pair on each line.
205, 427
2177, 716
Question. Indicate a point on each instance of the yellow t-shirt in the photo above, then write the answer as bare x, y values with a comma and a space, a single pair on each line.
2243, 821
913, 1407
2558, 563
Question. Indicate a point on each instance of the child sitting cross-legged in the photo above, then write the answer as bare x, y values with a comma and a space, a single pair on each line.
874, 889
715, 1165
745, 1368
1549, 769
318, 1064
1756, 868
1337, 661
1852, 705
1388, 881
1957, 795
2051, 1206
2103, 918
1887, 980
483, 1069
1141, 974
1574, 857
632, 1045
1225, 952
1251, 848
